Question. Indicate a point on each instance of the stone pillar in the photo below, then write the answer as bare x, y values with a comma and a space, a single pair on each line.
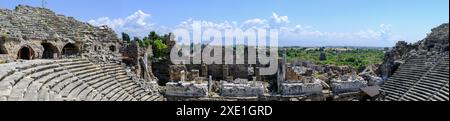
257, 75
55, 56
183, 76
282, 73
210, 83
224, 71
284, 64
204, 70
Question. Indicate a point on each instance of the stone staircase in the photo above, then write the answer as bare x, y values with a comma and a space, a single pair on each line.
417, 80
69, 80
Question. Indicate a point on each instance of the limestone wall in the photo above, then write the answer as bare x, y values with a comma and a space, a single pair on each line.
299, 88
31, 27
186, 89
347, 86
249, 89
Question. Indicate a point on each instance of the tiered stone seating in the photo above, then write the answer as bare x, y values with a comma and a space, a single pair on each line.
68, 80
17, 78
127, 84
404, 78
417, 81
433, 81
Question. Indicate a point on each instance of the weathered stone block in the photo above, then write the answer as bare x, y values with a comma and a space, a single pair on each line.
300, 88
249, 89
186, 89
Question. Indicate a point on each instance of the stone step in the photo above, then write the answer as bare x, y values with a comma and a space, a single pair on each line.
435, 80
441, 97
54, 82
140, 93
84, 93
97, 80
91, 94
398, 85
155, 98
21, 87
28, 65
114, 94
123, 96
81, 70
44, 94
18, 91
411, 98
74, 94
405, 78
93, 77
430, 84
130, 98
421, 96
109, 91
117, 95
87, 73
391, 98
132, 87
7, 83
76, 65
394, 91
64, 92
437, 76
102, 89
33, 90
62, 84
102, 82
412, 75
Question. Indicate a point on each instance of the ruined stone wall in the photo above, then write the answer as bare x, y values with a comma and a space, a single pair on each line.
298, 88
186, 89
436, 42
339, 86
31, 27
241, 89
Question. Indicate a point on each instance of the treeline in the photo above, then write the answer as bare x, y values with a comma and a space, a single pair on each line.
157, 42
357, 58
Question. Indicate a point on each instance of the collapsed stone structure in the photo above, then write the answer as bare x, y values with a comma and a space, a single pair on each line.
348, 84
186, 84
419, 71
297, 80
241, 88
52, 57
38, 33
189, 84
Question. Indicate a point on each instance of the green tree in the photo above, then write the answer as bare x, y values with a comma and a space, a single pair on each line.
160, 49
126, 37
153, 36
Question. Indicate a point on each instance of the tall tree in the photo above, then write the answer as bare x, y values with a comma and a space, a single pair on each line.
126, 37
153, 36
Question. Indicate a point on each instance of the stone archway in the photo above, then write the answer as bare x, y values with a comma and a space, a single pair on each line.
112, 48
50, 51
3, 49
25, 53
70, 50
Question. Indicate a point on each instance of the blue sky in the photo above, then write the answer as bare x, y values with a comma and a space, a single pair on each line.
305, 22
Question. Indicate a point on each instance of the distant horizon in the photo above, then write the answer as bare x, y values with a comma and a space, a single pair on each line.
301, 23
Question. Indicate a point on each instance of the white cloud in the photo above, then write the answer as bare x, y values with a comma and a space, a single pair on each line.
138, 24
279, 19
